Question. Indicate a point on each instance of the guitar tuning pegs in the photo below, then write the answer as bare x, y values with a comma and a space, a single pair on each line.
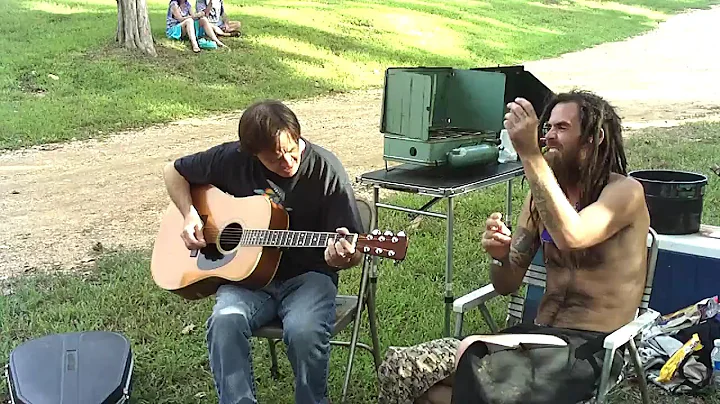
401, 233
376, 232
388, 233
391, 253
381, 239
395, 239
366, 249
378, 250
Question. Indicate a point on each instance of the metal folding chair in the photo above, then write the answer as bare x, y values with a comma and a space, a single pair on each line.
349, 309
522, 308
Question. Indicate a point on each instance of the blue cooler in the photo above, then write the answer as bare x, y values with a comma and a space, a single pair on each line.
687, 270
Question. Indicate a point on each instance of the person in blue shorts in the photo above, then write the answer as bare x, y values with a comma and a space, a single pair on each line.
182, 23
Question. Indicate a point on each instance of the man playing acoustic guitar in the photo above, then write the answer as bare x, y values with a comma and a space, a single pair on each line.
311, 184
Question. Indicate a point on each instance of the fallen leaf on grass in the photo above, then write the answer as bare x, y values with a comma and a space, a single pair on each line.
200, 395
415, 223
188, 329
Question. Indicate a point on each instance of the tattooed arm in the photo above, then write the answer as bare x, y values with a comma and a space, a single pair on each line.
616, 208
507, 278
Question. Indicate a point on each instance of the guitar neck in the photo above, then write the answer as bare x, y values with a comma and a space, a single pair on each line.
291, 238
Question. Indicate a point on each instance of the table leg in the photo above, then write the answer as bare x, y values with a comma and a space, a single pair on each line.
376, 200
449, 264
508, 205
374, 225
426, 206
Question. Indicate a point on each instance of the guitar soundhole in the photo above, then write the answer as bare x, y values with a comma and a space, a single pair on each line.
230, 236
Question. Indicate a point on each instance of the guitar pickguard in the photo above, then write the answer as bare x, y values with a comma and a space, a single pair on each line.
210, 258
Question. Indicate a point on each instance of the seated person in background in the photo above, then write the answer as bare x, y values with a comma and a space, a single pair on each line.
308, 181
591, 221
181, 23
214, 10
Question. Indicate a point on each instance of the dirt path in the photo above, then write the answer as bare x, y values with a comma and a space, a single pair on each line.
58, 202
667, 75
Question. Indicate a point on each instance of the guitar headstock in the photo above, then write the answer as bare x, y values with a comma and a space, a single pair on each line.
387, 244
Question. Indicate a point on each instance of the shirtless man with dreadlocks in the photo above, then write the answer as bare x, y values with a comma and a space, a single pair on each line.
591, 221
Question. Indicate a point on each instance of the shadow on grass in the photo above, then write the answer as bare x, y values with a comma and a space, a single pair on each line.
290, 50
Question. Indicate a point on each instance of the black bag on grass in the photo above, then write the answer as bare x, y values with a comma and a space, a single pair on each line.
93, 367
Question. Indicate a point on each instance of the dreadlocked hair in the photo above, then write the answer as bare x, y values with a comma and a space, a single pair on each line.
605, 157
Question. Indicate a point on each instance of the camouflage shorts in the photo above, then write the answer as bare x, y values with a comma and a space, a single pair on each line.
407, 373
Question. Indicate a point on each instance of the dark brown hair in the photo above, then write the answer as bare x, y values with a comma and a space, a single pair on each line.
595, 113
261, 124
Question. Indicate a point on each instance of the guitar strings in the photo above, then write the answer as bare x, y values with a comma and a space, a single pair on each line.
273, 232
234, 230
241, 238
239, 235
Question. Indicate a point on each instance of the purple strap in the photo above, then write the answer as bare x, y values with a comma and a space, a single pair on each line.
545, 236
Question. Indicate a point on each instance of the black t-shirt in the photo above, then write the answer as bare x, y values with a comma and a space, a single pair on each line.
319, 197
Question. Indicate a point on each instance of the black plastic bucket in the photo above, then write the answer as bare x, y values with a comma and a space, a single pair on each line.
674, 199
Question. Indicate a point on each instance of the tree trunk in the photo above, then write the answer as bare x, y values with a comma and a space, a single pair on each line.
133, 29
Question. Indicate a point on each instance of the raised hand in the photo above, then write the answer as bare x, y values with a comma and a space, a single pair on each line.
521, 122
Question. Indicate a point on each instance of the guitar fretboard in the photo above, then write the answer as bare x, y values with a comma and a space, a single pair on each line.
290, 238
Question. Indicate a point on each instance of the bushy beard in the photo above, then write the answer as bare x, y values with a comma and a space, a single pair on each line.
565, 167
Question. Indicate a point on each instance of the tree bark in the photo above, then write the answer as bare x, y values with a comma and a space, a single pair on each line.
133, 29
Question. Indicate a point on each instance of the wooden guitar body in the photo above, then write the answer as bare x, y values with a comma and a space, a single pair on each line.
244, 237
197, 274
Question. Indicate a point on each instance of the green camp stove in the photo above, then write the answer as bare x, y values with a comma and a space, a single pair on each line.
436, 116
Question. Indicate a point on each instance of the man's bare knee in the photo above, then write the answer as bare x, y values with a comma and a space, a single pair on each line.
439, 394
448, 381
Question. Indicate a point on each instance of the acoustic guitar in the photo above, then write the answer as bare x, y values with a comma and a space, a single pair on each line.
244, 237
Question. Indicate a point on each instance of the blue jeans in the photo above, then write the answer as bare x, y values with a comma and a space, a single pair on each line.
306, 306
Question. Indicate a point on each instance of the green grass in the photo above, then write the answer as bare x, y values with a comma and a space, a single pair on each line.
172, 367
291, 49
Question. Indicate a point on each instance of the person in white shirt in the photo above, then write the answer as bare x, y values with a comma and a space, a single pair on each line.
215, 13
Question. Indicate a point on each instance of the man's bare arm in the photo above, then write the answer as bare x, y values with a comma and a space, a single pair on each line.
615, 209
178, 188
523, 247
